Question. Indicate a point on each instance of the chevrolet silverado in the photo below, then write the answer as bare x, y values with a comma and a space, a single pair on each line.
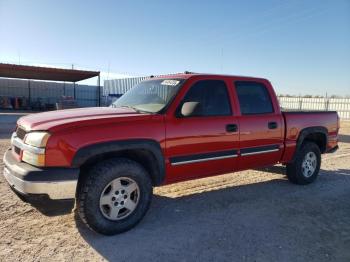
164, 130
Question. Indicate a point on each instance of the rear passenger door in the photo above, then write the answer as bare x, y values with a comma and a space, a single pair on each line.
260, 125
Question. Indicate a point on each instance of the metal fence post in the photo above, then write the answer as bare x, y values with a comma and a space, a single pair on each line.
29, 94
327, 104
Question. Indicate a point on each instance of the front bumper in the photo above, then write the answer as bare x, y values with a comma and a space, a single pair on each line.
56, 183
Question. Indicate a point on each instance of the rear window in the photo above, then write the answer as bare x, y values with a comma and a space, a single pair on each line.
253, 98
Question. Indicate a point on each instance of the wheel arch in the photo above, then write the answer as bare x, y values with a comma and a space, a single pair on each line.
146, 152
316, 134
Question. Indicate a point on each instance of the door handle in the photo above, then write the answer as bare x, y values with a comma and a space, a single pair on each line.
231, 128
272, 125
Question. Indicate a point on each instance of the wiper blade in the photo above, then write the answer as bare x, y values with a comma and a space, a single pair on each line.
136, 109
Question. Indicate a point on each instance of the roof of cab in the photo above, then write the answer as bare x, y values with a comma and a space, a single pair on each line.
188, 75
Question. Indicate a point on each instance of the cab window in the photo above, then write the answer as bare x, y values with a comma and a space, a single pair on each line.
208, 98
253, 98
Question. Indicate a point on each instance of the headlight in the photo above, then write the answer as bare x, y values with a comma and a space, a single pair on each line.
33, 159
35, 154
37, 139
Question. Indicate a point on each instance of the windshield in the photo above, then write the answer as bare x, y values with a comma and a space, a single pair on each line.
150, 96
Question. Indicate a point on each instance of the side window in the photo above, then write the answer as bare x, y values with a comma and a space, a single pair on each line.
253, 98
210, 97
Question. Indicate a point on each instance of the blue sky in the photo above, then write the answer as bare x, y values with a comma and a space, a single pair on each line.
303, 47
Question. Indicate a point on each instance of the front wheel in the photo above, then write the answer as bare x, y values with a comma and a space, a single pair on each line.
114, 196
306, 166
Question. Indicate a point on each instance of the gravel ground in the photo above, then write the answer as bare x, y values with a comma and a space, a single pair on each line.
255, 215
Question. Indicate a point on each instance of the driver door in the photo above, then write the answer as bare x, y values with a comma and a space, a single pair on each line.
202, 139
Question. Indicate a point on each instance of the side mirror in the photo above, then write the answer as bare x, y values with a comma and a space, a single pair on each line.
191, 109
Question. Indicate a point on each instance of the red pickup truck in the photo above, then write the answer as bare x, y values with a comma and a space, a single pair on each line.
164, 130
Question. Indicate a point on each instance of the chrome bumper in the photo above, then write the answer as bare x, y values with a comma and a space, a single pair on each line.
57, 183
55, 190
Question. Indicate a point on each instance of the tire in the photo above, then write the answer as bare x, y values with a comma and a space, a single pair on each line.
101, 204
304, 170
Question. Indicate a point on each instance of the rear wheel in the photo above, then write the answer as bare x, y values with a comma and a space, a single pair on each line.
306, 166
114, 196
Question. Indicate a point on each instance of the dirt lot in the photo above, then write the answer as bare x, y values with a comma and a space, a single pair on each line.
255, 215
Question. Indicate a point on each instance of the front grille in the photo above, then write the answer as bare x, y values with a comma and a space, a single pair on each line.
20, 132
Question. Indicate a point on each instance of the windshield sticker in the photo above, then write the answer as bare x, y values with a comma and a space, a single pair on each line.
170, 82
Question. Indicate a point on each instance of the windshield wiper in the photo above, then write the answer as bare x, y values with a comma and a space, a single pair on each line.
136, 109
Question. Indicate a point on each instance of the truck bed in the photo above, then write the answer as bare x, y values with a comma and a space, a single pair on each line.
326, 122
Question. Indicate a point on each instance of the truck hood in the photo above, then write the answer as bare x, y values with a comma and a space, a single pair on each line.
77, 117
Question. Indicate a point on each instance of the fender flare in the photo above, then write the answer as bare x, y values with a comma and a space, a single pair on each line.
307, 131
88, 152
